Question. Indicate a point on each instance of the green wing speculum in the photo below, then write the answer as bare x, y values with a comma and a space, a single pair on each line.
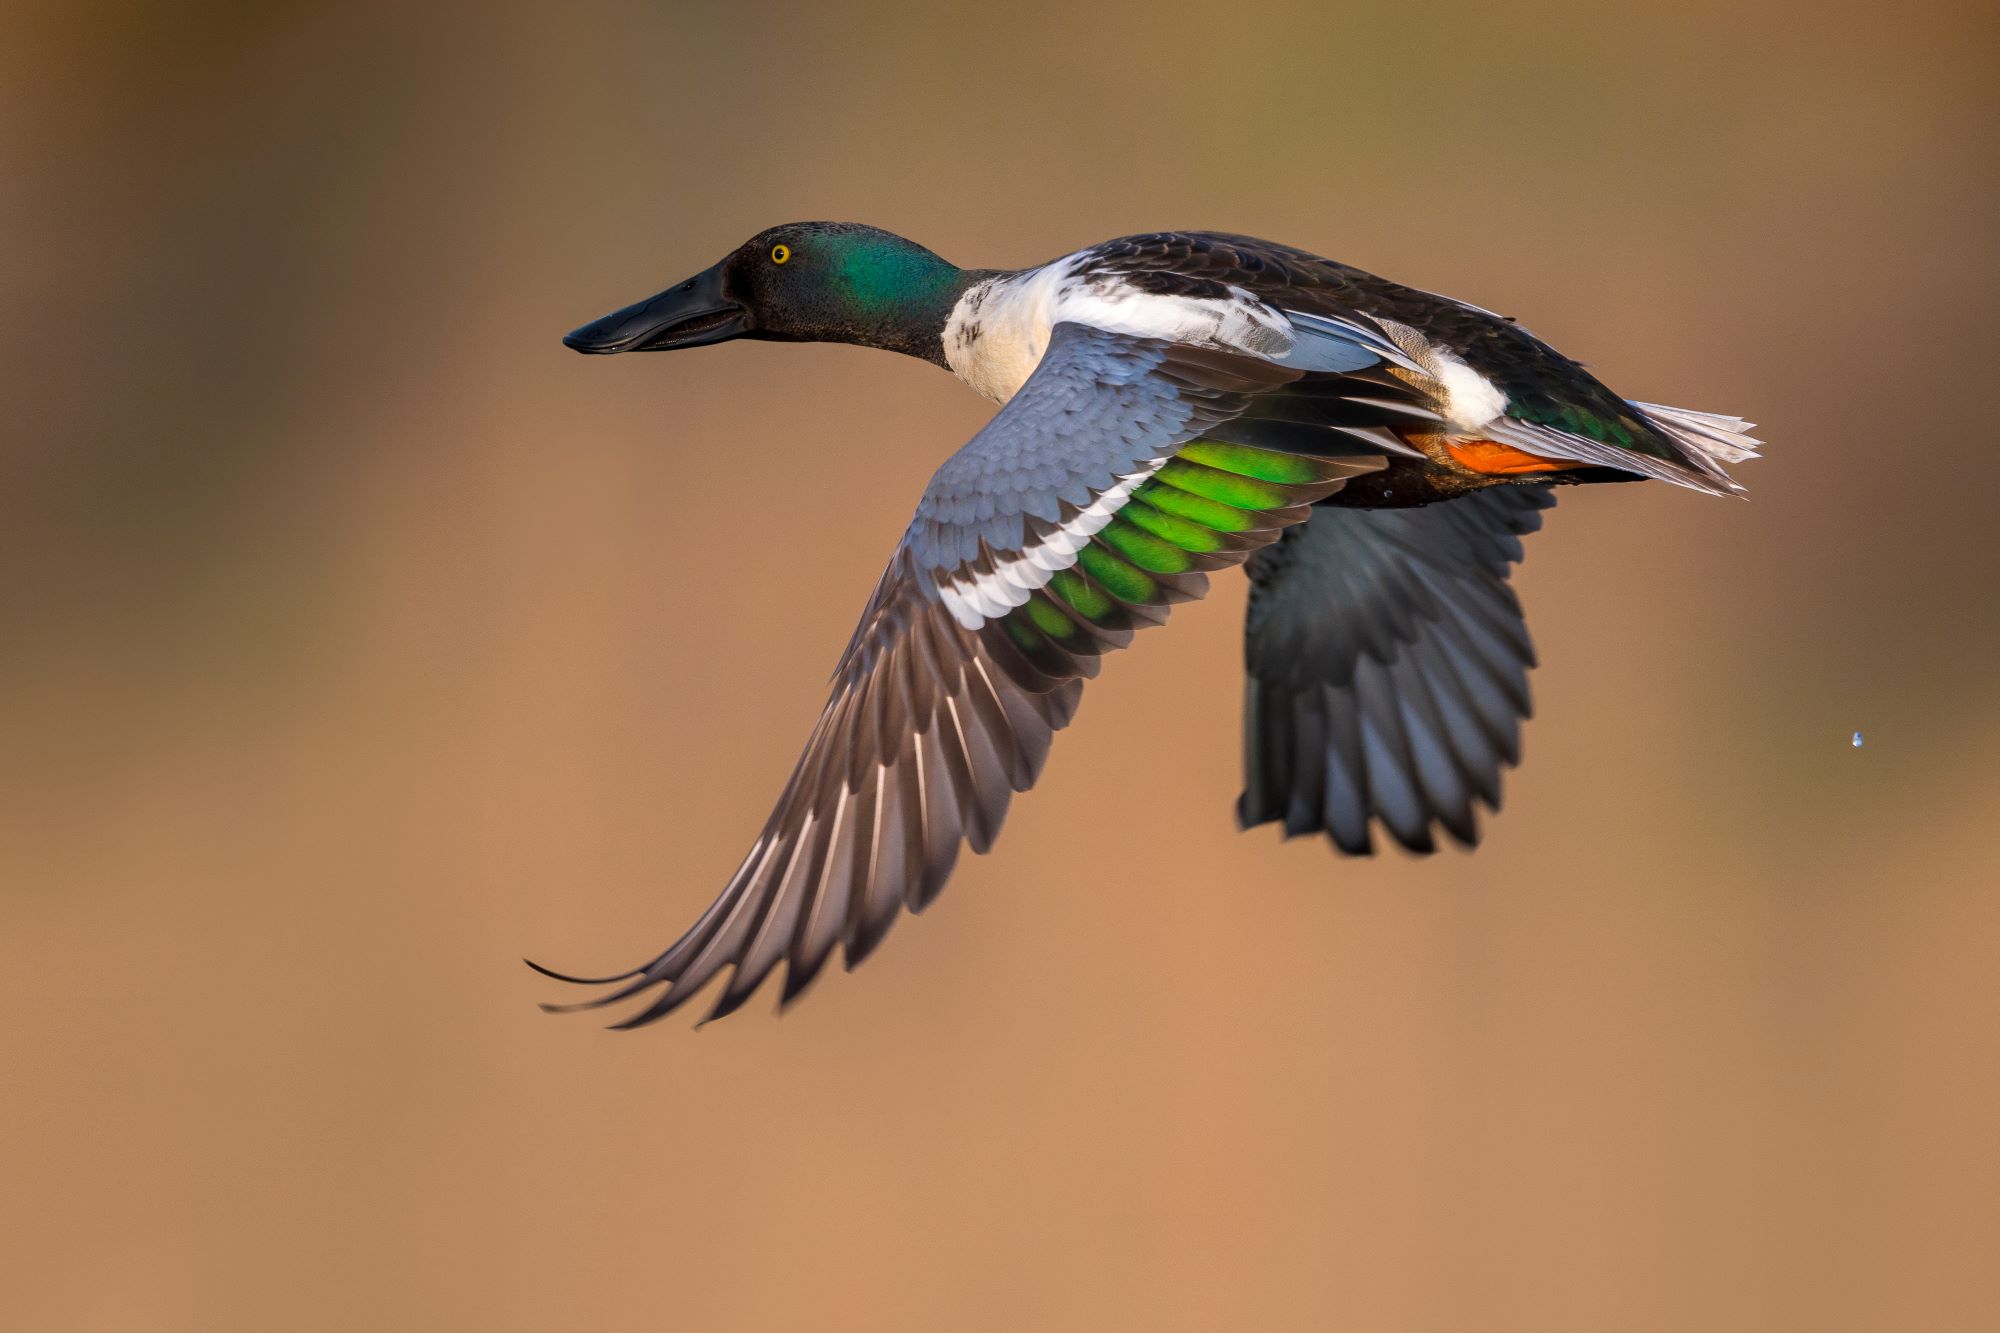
1207, 507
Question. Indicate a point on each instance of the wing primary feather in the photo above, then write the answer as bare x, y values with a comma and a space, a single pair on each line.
943, 828
1391, 783
554, 975
1346, 777
813, 941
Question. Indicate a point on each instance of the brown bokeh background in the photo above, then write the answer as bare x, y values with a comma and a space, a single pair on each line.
359, 639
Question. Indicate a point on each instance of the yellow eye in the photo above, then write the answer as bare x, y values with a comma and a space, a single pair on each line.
780, 253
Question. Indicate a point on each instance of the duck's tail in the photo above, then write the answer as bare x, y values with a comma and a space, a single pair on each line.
1688, 448
1714, 438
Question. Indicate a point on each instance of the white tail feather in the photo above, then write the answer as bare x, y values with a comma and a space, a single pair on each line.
1700, 471
1718, 438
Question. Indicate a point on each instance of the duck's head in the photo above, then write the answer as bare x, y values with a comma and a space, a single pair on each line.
803, 282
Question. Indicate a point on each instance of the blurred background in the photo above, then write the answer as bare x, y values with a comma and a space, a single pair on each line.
360, 640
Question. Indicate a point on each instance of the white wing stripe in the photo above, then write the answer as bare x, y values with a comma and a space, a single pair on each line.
975, 598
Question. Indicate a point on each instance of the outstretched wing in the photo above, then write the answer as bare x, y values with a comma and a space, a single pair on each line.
1085, 508
1388, 669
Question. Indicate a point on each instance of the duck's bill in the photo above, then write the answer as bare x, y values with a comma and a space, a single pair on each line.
693, 314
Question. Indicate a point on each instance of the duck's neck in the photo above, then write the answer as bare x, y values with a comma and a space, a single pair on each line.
901, 300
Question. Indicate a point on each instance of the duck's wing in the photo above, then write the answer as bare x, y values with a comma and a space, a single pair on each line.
1387, 663
1086, 507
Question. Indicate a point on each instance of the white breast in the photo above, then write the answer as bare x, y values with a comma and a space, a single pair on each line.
999, 329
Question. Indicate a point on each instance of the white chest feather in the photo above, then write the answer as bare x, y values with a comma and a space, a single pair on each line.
998, 331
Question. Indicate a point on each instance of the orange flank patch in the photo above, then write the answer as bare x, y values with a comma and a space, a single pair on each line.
1493, 459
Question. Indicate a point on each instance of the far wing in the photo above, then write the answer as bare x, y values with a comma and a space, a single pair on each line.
1085, 508
1387, 664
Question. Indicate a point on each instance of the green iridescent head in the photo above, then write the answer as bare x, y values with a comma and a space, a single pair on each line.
802, 282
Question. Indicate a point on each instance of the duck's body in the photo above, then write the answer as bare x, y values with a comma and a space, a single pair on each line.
1481, 373
1172, 403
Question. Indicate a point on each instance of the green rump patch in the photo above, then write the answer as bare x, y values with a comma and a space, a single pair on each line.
1577, 421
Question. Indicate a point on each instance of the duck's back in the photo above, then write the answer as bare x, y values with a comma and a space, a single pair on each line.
1534, 382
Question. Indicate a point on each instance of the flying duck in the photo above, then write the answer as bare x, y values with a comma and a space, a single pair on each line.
1171, 404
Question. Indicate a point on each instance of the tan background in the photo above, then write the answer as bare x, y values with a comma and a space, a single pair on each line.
358, 640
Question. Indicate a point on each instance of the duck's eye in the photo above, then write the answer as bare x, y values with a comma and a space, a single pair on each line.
780, 253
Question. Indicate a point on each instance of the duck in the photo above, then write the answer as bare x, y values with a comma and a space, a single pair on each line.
1171, 404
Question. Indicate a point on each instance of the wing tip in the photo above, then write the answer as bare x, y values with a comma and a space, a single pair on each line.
554, 975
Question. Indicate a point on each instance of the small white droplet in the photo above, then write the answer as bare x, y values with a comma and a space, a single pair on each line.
1857, 740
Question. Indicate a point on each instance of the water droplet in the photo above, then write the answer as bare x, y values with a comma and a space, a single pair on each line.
1857, 740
